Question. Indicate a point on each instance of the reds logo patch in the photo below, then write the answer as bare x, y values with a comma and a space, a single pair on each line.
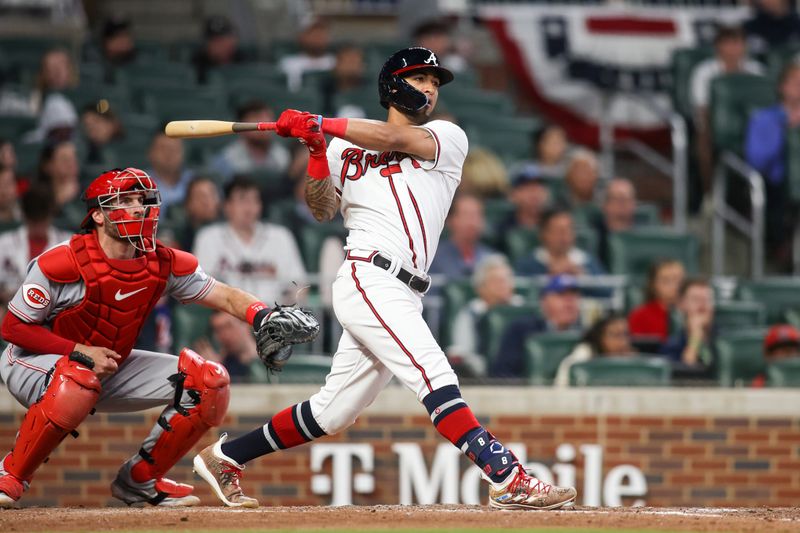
35, 296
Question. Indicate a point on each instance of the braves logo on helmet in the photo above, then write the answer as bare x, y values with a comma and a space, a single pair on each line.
394, 90
111, 193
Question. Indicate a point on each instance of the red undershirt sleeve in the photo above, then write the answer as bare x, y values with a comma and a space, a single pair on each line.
33, 337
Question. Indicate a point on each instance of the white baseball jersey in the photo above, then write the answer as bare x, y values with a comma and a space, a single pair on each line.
395, 203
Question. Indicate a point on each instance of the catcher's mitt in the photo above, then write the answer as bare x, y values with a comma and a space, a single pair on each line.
282, 327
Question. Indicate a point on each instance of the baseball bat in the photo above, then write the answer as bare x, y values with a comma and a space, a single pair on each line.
212, 128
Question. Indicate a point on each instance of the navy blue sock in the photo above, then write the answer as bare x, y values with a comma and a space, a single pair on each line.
248, 446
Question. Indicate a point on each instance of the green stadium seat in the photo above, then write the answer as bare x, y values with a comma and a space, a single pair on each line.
731, 316
545, 352
143, 74
779, 57
202, 105
9, 225
784, 373
118, 97
793, 164
189, 323
249, 74
739, 357
495, 322
366, 99
281, 212
311, 238
733, 98
28, 157
277, 97
12, 127
456, 294
303, 368
633, 252
131, 151
684, 62
777, 295
621, 372
647, 214
461, 100
520, 242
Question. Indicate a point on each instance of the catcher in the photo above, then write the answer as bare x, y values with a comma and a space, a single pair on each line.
72, 327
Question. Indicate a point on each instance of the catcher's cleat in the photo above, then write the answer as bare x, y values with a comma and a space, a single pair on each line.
161, 492
520, 490
11, 490
223, 474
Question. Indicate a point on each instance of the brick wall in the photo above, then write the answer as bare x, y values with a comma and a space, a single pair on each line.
696, 460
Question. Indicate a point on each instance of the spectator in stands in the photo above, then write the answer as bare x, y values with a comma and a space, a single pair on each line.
774, 24
201, 207
118, 46
484, 174
8, 155
691, 349
608, 337
237, 349
457, 256
100, 127
435, 36
314, 55
220, 47
730, 56
37, 234
559, 300
59, 169
557, 253
253, 150
9, 202
348, 75
651, 319
781, 342
619, 208
168, 169
581, 178
493, 282
552, 150
530, 196
765, 150
57, 115
258, 257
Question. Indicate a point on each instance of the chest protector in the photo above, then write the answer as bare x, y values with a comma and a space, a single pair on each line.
119, 294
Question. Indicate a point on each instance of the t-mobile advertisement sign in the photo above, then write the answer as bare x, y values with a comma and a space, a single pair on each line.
440, 479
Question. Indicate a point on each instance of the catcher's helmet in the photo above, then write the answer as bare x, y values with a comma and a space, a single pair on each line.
105, 193
394, 90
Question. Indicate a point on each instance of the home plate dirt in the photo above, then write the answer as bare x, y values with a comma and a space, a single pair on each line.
450, 517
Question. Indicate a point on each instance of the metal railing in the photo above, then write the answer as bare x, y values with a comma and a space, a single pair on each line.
754, 229
675, 169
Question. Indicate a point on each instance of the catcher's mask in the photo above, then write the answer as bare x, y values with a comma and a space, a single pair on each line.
396, 91
111, 193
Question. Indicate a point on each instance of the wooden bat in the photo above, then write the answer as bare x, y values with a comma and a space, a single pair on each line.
212, 128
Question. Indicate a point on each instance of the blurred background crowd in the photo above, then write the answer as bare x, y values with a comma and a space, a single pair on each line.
551, 270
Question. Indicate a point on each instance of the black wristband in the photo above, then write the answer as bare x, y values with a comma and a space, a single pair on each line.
259, 318
82, 358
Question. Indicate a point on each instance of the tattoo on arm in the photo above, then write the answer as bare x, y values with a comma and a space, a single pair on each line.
321, 199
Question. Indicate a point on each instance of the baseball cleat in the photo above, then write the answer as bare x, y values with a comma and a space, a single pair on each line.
520, 490
160, 492
11, 490
223, 474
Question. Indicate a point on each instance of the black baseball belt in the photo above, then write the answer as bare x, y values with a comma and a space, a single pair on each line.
421, 285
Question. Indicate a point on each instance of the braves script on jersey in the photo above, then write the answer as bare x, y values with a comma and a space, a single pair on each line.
394, 203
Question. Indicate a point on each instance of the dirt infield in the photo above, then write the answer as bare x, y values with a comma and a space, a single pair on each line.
396, 517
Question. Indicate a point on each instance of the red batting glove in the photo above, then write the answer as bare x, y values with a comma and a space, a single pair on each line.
290, 123
318, 158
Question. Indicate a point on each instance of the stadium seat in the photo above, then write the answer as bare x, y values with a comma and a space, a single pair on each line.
633, 252
457, 98
276, 96
520, 242
731, 316
249, 74
280, 212
28, 158
171, 103
8, 225
311, 238
12, 127
189, 323
739, 357
455, 296
784, 373
118, 97
793, 163
779, 57
545, 353
494, 324
647, 214
303, 368
733, 98
621, 372
496, 211
143, 74
365, 99
777, 295
684, 62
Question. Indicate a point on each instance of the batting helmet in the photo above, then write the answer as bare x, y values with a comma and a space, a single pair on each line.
106, 193
394, 90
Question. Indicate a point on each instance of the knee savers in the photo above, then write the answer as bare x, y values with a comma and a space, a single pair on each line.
208, 384
68, 399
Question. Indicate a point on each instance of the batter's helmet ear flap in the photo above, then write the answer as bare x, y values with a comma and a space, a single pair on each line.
395, 90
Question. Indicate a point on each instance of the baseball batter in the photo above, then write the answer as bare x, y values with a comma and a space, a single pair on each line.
72, 328
394, 182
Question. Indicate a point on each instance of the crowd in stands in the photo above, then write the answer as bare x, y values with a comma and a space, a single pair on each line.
523, 238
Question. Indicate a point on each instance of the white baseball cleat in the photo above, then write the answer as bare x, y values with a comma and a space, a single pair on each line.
223, 474
520, 490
